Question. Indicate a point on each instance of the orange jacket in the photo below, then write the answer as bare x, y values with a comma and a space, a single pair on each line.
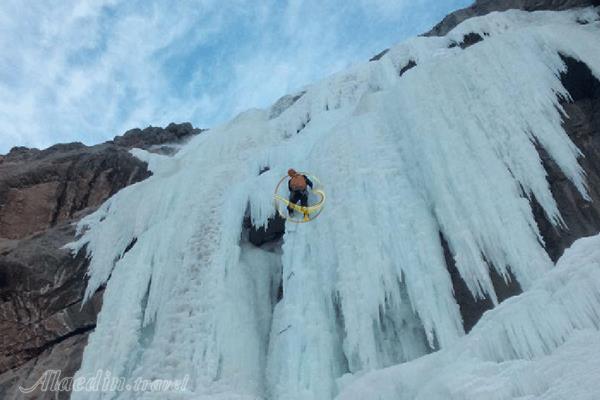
298, 183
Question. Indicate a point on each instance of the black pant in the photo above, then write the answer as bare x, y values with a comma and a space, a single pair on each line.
298, 196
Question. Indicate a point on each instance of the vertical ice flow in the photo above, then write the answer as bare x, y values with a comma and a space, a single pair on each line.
448, 148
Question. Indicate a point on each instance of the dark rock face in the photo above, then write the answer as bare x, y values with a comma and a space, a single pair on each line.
43, 324
582, 217
64, 356
40, 294
471, 309
153, 136
483, 7
40, 188
45, 188
258, 236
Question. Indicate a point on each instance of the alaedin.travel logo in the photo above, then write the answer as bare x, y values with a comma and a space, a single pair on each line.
103, 381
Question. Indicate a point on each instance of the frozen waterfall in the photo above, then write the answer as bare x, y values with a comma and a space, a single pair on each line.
446, 149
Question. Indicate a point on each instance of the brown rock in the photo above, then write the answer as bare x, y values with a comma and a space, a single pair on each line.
582, 217
154, 136
41, 289
64, 357
43, 324
39, 190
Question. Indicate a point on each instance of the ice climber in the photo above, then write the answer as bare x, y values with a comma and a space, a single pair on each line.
298, 185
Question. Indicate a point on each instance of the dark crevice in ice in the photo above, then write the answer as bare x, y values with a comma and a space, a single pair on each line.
582, 125
468, 40
471, 309
409, 65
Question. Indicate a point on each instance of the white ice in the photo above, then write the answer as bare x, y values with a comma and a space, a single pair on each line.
447, 148
543, 344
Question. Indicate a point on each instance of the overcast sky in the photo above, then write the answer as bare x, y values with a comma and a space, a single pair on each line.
89, 70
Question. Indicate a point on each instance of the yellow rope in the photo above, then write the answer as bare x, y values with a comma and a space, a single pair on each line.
308, 209
304, 210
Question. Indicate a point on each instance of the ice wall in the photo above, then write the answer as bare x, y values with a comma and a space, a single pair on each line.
448, 147
543, 344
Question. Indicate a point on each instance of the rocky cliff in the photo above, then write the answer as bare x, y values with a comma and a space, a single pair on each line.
482, 7
43, 323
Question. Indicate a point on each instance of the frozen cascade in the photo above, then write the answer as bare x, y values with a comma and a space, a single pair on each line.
543, 344
448, 147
